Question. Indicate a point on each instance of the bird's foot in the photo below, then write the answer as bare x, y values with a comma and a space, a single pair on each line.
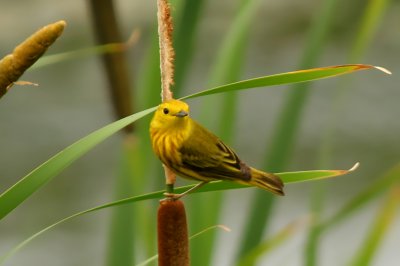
173, 196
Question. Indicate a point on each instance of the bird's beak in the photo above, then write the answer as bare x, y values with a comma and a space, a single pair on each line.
181, 114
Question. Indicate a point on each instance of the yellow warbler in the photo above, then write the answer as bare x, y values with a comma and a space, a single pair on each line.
191, 151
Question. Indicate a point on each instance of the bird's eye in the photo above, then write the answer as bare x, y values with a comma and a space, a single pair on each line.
166, 111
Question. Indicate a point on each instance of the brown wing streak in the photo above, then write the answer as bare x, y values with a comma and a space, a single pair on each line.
212, 159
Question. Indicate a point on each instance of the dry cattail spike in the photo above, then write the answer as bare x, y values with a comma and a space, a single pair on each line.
173, 241
167, 54
24, 55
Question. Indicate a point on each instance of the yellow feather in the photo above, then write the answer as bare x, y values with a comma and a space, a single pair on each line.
193, 152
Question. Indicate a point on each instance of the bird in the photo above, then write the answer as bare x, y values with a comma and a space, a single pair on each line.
193, 152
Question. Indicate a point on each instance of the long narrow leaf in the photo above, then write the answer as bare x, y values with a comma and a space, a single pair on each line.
120, 243
289, 177
19, 192
371, 192
185, 36
87, 52
288, 78
227, 68
275, 241
369, 22
384, 219
14, 196
287, 125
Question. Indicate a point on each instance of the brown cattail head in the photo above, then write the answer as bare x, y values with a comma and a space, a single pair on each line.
173, 241
24, 55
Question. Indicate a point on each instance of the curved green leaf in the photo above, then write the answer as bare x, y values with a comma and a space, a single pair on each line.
288, 78
288, 177
15, 195
19, 192
228, 66
383, 221
101, 49
270, 244
375, 189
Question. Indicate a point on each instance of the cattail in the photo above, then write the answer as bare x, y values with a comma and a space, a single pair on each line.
24, 55
167, 53
167, 57
173, 241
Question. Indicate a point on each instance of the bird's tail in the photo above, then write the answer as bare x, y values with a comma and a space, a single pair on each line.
266, 181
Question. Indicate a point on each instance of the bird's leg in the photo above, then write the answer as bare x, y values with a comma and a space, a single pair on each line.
172, 196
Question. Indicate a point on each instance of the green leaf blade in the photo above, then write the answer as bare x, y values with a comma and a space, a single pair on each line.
288, 78
226, 68
288, 177
384, 220
20, 191
376, 188
272, 243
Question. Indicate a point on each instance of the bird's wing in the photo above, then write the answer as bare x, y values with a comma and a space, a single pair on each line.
208, 156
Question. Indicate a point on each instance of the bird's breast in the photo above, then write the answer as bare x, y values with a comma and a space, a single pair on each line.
166, 144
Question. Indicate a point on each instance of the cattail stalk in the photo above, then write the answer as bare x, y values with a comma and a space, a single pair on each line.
173, 241
27, 53
167, 53
167, 56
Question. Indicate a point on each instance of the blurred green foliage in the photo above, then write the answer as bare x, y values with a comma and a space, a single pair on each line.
255, 41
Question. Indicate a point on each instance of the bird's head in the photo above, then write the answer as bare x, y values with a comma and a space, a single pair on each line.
172, 112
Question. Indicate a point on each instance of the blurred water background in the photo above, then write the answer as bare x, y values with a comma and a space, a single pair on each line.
72, 101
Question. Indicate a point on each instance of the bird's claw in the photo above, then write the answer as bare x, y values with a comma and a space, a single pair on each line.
172, 196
